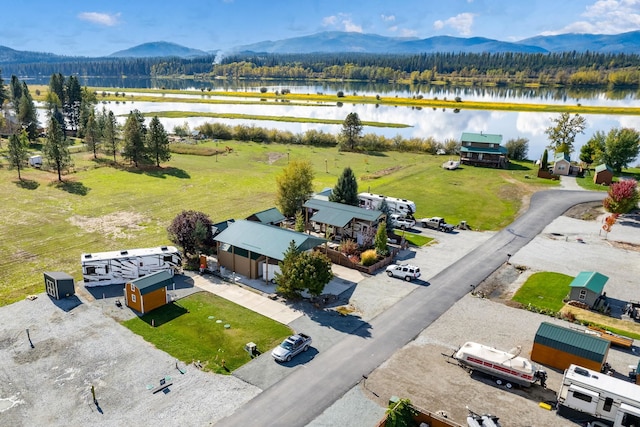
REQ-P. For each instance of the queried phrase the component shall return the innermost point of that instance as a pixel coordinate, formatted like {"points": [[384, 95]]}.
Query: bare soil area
{"points": [[121, 225]]}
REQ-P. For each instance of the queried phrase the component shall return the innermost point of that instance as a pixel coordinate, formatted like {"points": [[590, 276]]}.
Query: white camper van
{"points": [[600, 396], [402, 207], [119, 267]]}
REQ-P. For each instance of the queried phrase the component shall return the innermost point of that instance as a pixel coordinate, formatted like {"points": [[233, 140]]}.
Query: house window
{"points": [[133, 297], [133, 287], [583, 294]]}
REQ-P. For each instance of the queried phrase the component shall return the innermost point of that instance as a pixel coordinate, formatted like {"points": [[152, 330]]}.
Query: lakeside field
{"points": [[47, 225]]}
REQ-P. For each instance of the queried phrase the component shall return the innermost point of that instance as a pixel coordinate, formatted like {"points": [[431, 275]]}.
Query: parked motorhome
{"points": [[119, 267], [403, 207], [600, 396]]}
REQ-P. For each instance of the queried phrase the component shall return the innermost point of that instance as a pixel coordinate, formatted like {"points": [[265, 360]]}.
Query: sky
{"points": [[99, 28]]}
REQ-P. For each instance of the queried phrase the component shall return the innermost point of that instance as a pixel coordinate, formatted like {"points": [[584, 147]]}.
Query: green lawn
{"points": [[544, 290], [46, 226], [189, 330], [414, 239]]}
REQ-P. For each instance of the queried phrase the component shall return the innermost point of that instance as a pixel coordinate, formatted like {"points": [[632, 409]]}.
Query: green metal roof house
{"points": [[270, 216], [343, 220], [587, 287], [482, 149], [244, 245], [559, 347]]}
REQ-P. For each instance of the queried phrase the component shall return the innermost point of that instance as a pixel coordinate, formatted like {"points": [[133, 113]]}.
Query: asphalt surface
{"points": [[311, 388]]}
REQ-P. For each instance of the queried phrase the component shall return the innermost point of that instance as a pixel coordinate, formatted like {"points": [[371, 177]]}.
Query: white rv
{"points": [[600, 396], [119, 267], [402, 207]]}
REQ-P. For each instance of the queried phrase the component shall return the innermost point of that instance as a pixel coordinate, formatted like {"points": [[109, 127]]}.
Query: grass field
{"points": [[544, 290], [100, 206], [193, 329]]}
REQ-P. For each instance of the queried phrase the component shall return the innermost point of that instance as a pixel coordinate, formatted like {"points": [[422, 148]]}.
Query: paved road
{"points": [[310, 389]]}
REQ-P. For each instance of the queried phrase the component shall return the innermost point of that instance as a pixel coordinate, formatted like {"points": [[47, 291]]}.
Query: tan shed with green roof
{"points": [[559, 347]]}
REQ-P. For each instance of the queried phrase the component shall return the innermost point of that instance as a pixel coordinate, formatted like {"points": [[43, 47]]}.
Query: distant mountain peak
{"points": [[158, 49]]}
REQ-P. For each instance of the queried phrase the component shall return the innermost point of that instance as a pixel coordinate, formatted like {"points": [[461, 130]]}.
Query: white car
{"points": [[402, 222], [407, 272]]}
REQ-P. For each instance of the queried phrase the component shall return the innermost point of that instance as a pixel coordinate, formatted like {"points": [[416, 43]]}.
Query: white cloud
{"points": [[406, 32], [341, 22], [462, 23], [100, 18], [606, 17], [388, 18]]}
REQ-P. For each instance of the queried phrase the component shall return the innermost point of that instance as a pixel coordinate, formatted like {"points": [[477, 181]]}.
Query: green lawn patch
{"points": [[415, 239], [544, 290], [193, 328], [106, 206]]}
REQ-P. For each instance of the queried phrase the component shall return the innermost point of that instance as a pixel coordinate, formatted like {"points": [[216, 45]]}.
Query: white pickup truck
{"points": [[291, 347], [402, 222]]}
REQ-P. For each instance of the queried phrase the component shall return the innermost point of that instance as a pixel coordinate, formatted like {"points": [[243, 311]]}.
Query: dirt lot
{"points": [[569, 245]]}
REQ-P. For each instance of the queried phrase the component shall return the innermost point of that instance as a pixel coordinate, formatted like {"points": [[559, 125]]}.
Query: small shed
{"points": [[58, 284], [587, 287], [148, 292], [562, 164], [559, 347], [603, 175]]}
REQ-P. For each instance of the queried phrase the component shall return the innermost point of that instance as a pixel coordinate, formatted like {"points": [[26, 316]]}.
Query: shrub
{"points": [[369, 257], [348, 247]]}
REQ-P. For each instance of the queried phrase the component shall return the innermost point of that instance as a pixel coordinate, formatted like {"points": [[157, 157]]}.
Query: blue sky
{"points": [[94, 28]]}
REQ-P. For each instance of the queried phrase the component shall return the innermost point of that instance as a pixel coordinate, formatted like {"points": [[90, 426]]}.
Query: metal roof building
{"points": [[339, 214], [244, 245], [561, 347], [269, 216]]}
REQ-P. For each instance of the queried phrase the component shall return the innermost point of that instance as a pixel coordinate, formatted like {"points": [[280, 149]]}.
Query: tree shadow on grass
{"points": [[154, 171], [164, 314], [518, 167], [27, 184], [73, 187]]}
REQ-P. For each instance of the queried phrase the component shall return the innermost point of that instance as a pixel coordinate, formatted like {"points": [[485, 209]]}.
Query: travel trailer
{"points": [[402, 207], [119, 267], [600, 396]]}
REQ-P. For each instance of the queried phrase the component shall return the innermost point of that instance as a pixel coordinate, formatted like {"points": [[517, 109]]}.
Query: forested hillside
{"points": [[567, 68]]}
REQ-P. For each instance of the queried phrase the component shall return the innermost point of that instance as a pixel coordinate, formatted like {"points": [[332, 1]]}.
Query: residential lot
{"points": [[421, 373], [76, 348]]}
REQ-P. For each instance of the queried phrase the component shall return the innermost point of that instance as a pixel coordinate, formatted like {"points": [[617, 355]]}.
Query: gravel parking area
{"points": [[49, 383], [421, 373]]}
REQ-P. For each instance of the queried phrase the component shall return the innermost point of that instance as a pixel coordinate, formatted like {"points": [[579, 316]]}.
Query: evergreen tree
{"points": [[134, 139], [18, 154], [110, 133], [15, 89], [56, 86], [346, 190], [381, 240], [3, 90], [56, 150], [92, 134], [158, 142], [544, 164], [72, 100], [87, 106], [351, 132], [27, 114], [386, 210]]}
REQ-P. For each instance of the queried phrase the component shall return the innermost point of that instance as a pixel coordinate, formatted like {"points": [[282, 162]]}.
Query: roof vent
{"points": [[124, 252], [164, 248], [581, 371], [87, 256]]}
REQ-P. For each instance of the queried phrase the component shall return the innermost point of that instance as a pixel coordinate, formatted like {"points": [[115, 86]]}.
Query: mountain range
{"points": [[349, 42]]}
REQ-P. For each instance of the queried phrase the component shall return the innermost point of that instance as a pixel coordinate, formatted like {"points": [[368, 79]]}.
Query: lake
{"points": [[441, 124]]}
